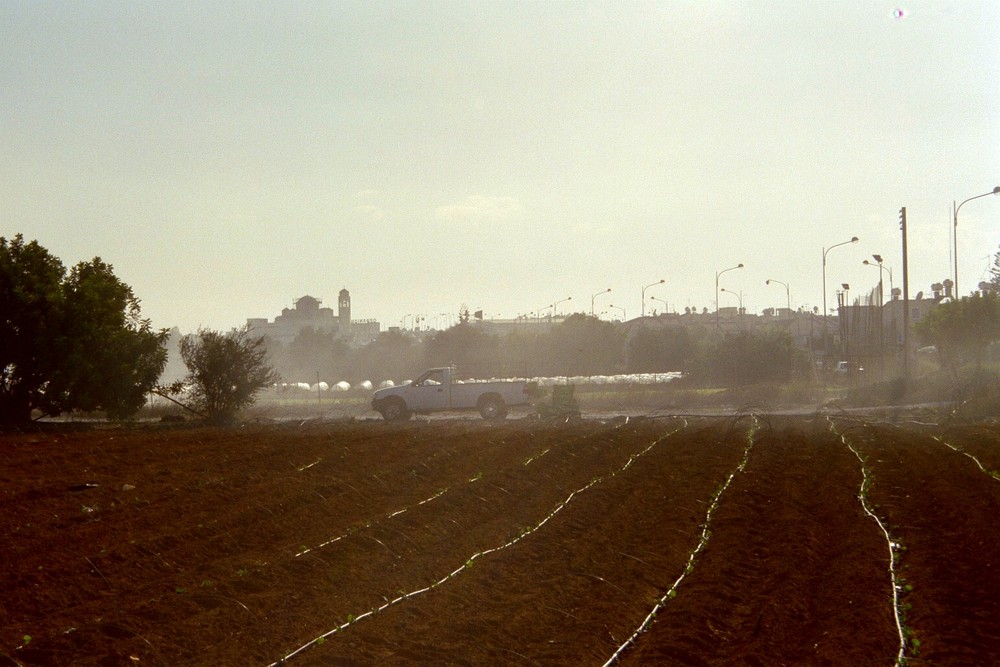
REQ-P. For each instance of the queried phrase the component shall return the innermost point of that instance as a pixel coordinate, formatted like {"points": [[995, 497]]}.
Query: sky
{"points": [[229, 157]]}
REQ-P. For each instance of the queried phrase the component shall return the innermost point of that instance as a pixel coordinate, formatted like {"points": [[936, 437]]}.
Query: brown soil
{"points": [[529, 543]]}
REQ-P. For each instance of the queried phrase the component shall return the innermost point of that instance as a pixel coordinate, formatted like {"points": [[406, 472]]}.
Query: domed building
{"points": [[307, 313]]}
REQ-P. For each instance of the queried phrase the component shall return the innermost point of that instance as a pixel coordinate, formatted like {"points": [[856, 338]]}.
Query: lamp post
{"points": [[618, 308], [845, 322], [826, 337], [663, 301], [717, 274], [739, 298], [994, 191], [738, 295], [878, 259], [555, 305], [658, 282], [788, 294], [881, 305], [594, 296]]}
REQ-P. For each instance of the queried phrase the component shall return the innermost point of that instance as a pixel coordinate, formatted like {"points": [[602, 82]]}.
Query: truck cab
{"points": [[430, 391], [436, 389]]}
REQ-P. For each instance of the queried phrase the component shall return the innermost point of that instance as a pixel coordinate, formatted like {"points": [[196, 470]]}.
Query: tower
{"points": [[344, 309]]}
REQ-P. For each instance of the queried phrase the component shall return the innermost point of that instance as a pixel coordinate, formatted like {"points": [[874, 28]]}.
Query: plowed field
{"points": [[742, 541]]}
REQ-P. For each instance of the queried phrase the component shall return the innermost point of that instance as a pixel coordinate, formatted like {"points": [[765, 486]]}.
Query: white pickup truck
{"points": [[435, 390]]}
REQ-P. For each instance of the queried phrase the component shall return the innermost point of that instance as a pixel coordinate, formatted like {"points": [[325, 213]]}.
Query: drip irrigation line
{"points": [[373, 522], [370, 523], [469, 562], [993, 475], [689, 566], [893, 545]]}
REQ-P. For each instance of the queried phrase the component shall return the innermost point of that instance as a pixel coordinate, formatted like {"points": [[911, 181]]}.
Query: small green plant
{"points": [[180, 590], [207, 583], [26, 640]]}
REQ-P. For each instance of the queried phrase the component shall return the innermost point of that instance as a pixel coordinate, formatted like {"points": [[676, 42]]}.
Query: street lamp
{"points": [[994, 191], [826, 344], [878, 259], [594, 296], [663, 301], [717, 274], [619, 308], [882, 270], [739, 296], [556, 304], [844, 317], [658, 282], [881, 304], [788, 294]]}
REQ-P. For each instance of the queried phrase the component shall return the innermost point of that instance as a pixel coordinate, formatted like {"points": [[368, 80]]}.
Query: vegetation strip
{"points": [[893, 545], [689, 567], [316, 641], [992, 473]]}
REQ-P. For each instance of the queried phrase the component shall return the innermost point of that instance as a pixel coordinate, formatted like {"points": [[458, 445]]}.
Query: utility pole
{"points": [[906, 302]]}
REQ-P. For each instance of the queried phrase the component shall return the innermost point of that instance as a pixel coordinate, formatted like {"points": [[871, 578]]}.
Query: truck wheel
{"points": [[493, 408], [394, 410]]}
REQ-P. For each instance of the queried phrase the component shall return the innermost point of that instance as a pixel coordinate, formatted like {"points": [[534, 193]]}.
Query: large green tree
{"points": [[73, 341]]}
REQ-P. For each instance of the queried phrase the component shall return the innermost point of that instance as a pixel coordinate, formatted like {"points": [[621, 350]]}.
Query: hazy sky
{"points": [[230, 157]]}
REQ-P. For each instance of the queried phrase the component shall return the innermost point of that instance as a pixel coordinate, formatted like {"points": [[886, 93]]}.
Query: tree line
{"points": [[580, 345], [74, 340]]}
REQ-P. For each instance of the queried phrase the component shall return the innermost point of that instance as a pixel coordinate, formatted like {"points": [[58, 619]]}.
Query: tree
{"points": [[473, 351], [994, 282], [584, 345], [962, 329], [311, 354], [660, 350], [73, 342], [745, 358], [225, 371], [392, 355]]}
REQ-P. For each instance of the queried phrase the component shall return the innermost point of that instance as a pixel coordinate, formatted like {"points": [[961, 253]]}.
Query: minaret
{"points": [[344, 309]]}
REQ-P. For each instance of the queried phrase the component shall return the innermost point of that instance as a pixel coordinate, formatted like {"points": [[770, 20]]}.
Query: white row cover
{"points": [[633, 378]]}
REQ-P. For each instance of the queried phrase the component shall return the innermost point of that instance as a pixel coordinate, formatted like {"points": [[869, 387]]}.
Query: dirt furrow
{"points": [[793, 573], [942, 508], [178, 545], [568, 593]]}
